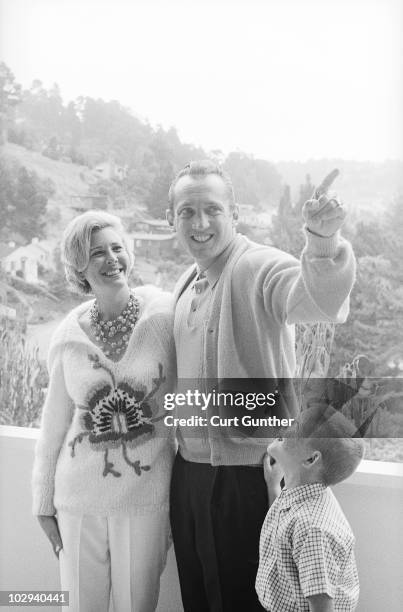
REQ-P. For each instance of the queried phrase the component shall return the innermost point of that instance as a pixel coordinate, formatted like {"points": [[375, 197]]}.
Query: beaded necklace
{"points": [[107, 331]]}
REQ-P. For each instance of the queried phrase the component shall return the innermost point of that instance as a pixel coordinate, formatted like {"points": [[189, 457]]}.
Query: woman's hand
{"points": [[51, 528], [272, 475]]}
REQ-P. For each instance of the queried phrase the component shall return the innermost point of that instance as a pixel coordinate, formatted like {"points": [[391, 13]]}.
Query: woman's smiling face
{"points": [[109, 261]]}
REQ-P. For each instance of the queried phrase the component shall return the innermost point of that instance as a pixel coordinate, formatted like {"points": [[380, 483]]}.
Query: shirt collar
{"points": [[288, 497], [213, 272]]}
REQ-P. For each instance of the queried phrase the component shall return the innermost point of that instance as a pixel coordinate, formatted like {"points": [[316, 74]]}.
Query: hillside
{"points": [[87, 132], [363, 185], [68, 180]]}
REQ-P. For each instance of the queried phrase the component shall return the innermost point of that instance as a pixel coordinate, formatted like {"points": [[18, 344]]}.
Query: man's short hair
{"points": [[330, 432], [76, 245], [201, 169]]}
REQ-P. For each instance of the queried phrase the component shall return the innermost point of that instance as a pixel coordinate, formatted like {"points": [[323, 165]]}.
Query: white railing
{"points": [[372, 500]]}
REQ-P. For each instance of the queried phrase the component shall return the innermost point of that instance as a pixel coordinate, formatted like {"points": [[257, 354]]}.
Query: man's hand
{"points": [[272, 475], [324, 216], [51, 528], [324, 213], [320, 603]]}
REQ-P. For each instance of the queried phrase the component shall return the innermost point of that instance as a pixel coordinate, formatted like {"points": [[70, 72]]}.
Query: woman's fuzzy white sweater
{"points": [[103, 447]]}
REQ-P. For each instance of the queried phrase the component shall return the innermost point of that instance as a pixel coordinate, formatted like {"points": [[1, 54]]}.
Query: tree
{"points": [[286, 228], [375, 323], [72, 125], [6, 196], [256, 181], [54, 149], [305, 193], [10, 96], [392, 241], [23, 201], [34, 111], [157, 199], [374, 327], [368, 238]]}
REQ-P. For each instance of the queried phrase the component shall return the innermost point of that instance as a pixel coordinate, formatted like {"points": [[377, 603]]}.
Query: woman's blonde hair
{"points": [[76, 245]]}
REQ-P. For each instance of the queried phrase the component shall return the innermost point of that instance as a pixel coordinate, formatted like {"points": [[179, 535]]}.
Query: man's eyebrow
{"points": [[184, 205]]}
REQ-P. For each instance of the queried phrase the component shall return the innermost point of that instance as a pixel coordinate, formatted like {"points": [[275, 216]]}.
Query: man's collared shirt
{"points": [[190, 329], [306, 548]]}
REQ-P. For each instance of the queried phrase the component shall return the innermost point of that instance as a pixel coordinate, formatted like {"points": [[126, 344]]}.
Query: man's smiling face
{"points": [[203, 216]]}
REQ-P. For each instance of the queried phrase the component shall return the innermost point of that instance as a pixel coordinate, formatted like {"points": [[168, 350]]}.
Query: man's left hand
{"points": [[324, 216]]}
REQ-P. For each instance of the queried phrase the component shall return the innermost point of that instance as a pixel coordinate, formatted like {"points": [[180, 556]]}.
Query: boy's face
{"points": [[290, 453]]}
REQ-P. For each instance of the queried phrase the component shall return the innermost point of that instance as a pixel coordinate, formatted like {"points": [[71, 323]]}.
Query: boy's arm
{"points": [[319, 556], [320, 603], [272, 475]]}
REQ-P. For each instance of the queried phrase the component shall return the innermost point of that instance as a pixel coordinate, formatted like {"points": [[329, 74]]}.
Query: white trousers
{"points": [[120, 557]]}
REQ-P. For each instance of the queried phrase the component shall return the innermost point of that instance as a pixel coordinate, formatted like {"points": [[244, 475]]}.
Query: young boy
{"points": [[306, 544]]}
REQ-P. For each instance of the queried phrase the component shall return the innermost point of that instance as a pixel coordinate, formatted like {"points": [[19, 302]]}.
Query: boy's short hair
{"points": [[201, 169], [76, 245], [330, 432]]}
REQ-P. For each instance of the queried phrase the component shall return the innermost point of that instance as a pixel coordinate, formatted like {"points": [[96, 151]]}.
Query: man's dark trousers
{"points": [[216, 517]]}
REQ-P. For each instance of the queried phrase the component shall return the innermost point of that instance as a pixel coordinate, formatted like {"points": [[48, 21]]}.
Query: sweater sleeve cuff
{"points": [[43, 507], [321, 246]]}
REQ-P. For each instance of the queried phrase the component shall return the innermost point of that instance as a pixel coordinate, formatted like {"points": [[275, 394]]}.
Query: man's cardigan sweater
{"points": [[103, 448], [261, 293]]}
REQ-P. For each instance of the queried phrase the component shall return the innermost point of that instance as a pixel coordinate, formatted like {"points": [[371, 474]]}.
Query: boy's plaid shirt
{"points": [[306, 548]]}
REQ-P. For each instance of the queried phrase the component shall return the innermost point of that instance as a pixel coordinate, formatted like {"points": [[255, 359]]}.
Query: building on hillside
{"points": [[153, 226], [249, 216], [110, 170], [82, 203], [25, 261], [153, 246]]}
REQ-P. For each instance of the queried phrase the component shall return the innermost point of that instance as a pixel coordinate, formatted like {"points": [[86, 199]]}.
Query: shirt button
{"points": [[210, 331], [194, 309]]}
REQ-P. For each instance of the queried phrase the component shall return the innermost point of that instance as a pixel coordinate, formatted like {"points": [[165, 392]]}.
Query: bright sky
{"points": [[280, 79]]}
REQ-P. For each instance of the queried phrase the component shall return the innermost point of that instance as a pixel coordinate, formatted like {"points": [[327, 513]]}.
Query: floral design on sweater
{"points": [[117, 415]]}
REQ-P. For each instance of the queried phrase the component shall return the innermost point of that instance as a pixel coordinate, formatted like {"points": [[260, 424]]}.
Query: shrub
{"points": [[23, 379]]}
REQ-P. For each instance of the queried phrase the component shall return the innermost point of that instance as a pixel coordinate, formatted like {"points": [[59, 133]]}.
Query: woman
{"points": [[103, 460]]}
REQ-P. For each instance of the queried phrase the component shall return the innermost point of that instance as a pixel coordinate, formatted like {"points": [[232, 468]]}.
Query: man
{"points": [[235, 310]]}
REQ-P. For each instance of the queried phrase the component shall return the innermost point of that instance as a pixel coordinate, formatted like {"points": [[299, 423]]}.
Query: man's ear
{"points": [[235, 212], [170, 217]]}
